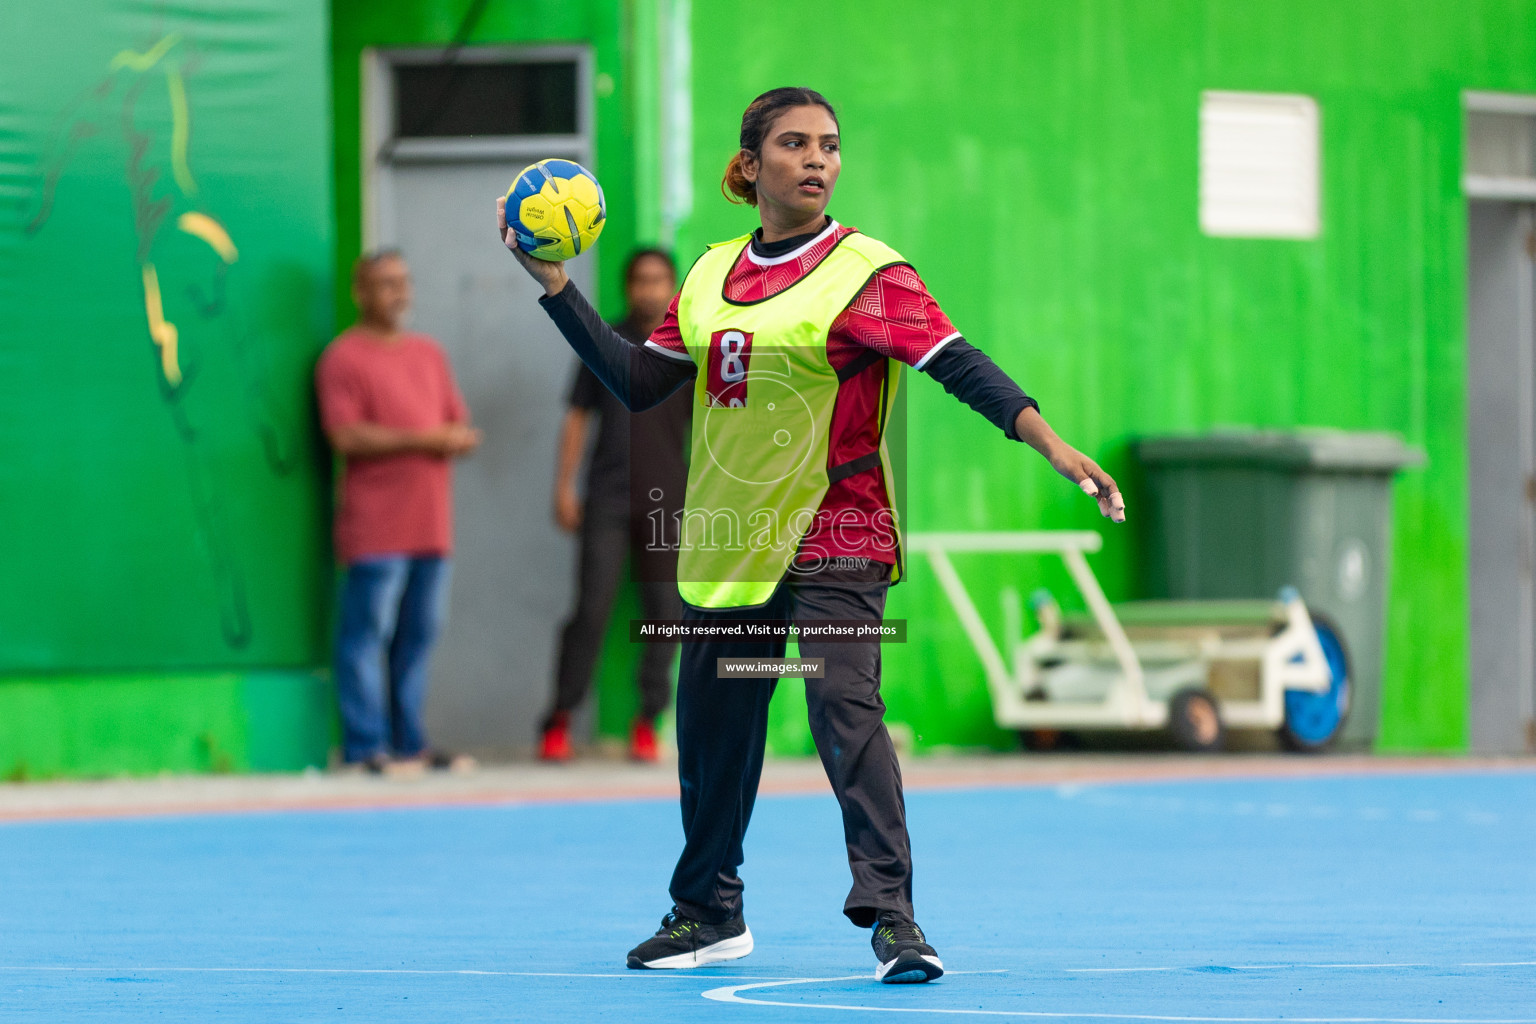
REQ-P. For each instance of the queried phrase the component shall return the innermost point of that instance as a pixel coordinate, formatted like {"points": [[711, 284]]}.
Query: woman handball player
{"points": [[793, 339]]}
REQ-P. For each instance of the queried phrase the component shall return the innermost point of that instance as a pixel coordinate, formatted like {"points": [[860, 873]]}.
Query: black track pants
{"points": [[722, 727]]}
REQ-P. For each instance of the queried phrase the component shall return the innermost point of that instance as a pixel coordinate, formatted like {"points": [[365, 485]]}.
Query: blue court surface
{"points": [[1376, 897]]}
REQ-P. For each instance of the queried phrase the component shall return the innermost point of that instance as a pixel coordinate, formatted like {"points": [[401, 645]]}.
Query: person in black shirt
{"points": [[634, 495]]}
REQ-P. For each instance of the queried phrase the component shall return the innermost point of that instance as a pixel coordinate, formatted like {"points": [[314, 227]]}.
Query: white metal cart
{"points": [[1195, 668]]}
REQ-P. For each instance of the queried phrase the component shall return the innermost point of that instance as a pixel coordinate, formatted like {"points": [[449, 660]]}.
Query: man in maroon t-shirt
{"points": [[391, 410]]}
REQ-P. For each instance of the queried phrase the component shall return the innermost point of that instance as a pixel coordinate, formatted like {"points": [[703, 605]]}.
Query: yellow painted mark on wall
{"points": [[146, 60], [181, 122], [200, 225], [160, 329]]}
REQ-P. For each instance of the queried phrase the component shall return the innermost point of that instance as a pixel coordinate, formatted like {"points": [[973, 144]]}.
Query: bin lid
{"points": [[1304, 448]]}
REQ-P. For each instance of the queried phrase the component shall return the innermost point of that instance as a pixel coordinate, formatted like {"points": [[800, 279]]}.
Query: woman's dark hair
{"points": [[755, 123], [649, 252]]}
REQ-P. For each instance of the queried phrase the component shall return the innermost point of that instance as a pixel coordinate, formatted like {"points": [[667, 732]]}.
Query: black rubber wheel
{"points": [[1044, 741], [1194, 721], [1314, 721]]}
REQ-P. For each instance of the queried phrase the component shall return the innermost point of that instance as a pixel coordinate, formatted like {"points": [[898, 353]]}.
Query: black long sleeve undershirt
{"points": [[638, 376], [641, 377], [970, 375]]}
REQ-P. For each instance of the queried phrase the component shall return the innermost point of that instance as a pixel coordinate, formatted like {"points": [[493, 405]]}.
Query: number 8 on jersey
{"points": [[730, 355]]}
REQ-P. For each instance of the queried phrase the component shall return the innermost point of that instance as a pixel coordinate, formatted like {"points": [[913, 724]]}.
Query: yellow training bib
{"points": [[765, 392]]}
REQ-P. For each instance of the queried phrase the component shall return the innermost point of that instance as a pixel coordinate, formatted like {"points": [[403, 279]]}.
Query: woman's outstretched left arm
{"points": [[971, 376], [1032, 429], [897, 317]]}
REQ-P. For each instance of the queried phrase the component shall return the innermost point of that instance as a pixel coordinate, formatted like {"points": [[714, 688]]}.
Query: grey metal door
{"points": [[1501, 375], [513, 574]]}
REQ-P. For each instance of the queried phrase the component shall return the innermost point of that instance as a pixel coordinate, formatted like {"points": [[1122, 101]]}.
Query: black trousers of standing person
{"points": [[607, 535], [722, 729]]}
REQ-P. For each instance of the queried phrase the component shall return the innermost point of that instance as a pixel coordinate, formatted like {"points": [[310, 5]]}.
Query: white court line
{"points": [[730, 994], [1256, 967], [1284, 967], [675, 975], [1100, 797], [1351, 967]]}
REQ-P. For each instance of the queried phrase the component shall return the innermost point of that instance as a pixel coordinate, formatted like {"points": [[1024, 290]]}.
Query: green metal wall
{"points": [[1037, 163], [165, 547], [162, 525]]}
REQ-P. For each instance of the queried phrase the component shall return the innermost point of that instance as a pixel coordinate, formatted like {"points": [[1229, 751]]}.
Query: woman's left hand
{"points": [[1095, 483], [1070, 463]]}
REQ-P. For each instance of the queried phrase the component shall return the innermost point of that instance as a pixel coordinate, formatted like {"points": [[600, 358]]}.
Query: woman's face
{"points": [[798, 165]]}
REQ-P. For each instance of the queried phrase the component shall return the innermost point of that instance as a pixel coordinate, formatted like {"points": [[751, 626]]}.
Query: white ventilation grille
{"points": [[1501, 146], [1258, 165]]}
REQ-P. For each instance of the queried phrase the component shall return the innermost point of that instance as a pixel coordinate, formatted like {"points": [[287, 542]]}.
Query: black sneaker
{"points": [[905, 956], [682, 942]]}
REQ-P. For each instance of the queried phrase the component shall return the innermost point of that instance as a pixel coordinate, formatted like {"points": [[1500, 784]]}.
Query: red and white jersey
{"points": [[895, 316]]}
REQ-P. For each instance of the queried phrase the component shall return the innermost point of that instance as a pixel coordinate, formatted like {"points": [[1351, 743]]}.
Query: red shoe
{"points": [[642, 741], [555, 743]]}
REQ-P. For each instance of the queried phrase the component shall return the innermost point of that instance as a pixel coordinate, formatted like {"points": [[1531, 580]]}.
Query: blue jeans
{"points": [[392, 607]]}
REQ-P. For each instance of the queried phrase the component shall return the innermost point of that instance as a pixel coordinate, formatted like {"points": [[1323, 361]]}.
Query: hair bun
{"points": [[735, 186]]}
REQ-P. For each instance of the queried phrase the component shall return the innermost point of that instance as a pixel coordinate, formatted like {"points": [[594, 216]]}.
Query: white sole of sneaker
{"points": [[726, 949], [910, 970]]}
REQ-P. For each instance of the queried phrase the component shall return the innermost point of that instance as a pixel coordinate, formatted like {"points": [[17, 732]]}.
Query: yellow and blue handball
{"points": [[556, 209]]}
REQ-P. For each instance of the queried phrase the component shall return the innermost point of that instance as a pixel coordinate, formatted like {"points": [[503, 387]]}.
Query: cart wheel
{"points": [[1046, 740], [1195, 721], [1314, 720]]}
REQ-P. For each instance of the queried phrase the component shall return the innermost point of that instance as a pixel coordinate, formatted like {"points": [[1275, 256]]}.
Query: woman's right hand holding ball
{"points": [[549, 273]]}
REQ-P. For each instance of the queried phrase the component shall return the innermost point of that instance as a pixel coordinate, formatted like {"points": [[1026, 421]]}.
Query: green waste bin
{"points": [[1241, 514]]}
